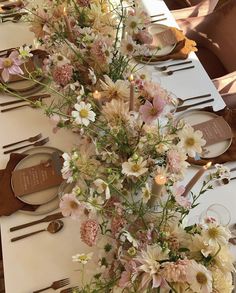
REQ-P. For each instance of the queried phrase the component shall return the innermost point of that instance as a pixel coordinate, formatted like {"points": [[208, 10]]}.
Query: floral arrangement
{"points": [[125, 174]]}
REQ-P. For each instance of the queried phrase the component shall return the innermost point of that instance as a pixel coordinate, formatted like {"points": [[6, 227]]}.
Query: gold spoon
{"points": [[53, 227]]}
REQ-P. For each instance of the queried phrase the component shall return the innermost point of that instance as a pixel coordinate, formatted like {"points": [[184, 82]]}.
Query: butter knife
{"points": [[183, 108], [48, 218]]}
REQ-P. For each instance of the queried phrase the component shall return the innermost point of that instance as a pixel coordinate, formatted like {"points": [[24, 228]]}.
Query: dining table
{"points": [[36, 262]]}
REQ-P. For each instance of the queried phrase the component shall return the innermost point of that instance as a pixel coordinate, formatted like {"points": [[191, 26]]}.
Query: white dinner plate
{"points": [[53, 204], [194, 117]]}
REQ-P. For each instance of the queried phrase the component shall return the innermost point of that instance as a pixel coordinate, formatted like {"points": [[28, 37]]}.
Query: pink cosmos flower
{"points": [[71, 207], [89, 232], [11, 65], [62, 75], [151, 111], [128, 275], [181, 200]]}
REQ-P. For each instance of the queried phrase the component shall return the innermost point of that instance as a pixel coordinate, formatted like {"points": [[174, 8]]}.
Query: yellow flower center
{"points": [[59, 58], [83, 113], [7, 62], [146, 193], [135, 168], [73, 205], [201, 278], [83, 257], [133, 24], [153, 112], [213, 233], [190, 141]]}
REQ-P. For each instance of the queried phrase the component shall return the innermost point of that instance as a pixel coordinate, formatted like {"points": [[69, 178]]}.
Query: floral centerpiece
{"points": [[126, 172]]}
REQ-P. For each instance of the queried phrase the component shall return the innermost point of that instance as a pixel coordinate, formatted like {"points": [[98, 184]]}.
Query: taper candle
{"points": [[157, 186], [195, 178], [68, 26], [132, 91]]}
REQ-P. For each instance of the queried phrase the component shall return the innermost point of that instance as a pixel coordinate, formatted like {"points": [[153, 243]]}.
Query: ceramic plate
{"points": [[194, 117], [154, 29], [40, 197], [53, 204]]}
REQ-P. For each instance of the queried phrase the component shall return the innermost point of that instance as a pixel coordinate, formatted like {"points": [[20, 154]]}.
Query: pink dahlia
{"points": [[62, 75], [89, 232], [11, 65], [151, 111]]}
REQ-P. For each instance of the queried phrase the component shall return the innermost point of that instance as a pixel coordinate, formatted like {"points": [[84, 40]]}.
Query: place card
{"points": [[35, 178], [214, 130], [166, 38]]}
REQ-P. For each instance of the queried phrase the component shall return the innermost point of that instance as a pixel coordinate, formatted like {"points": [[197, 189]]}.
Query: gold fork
{"points": [[55, 285]]}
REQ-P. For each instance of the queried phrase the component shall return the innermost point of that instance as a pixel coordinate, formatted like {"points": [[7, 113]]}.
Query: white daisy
{"points": [[83, 114], [25, 52], [134, 168], [133, 24], [191, 141], [82, 258], [214, 234], [199, 278]]}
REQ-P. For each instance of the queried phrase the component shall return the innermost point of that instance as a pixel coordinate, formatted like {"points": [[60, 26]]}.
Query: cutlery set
{"points": [[54, 226], [163, 69], [35, 141], [30, 102], [10, 11]]}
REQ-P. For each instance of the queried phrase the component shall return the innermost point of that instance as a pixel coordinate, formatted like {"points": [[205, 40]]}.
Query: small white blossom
{"points": [[83, 114], [82, 258]]}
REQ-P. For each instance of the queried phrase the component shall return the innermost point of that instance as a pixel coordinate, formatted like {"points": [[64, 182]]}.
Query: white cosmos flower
{"points": [[199, 278], [126, 235], [82, 258], [102, 187], [214, 234], [83, 114], [128, 46], [25, 52], [134, 168], [191, 141]]}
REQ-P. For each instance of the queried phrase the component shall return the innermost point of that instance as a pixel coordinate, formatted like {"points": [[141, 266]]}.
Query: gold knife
{"points": [[48, 218], [183, 108]]}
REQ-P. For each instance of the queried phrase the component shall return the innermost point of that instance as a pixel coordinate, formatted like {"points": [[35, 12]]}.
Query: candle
{"points": [[132, 90], [68, 26], [97, 95], [158, 184], [195, 178]]}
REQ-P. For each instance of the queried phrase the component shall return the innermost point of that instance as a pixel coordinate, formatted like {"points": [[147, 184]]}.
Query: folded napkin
{"points": [[8, 202], [230, 155], [181, 51]]}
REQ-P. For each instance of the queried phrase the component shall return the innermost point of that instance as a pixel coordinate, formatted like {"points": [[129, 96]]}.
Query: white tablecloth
{"points": [[35, 262]]}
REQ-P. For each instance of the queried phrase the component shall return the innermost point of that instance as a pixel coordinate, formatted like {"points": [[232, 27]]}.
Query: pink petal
{"points": [[156, 281], [5, 75]]}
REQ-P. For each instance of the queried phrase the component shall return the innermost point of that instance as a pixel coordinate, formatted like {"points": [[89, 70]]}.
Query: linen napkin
{"points": [[8, 202], [181, 51], [230, 155]]}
